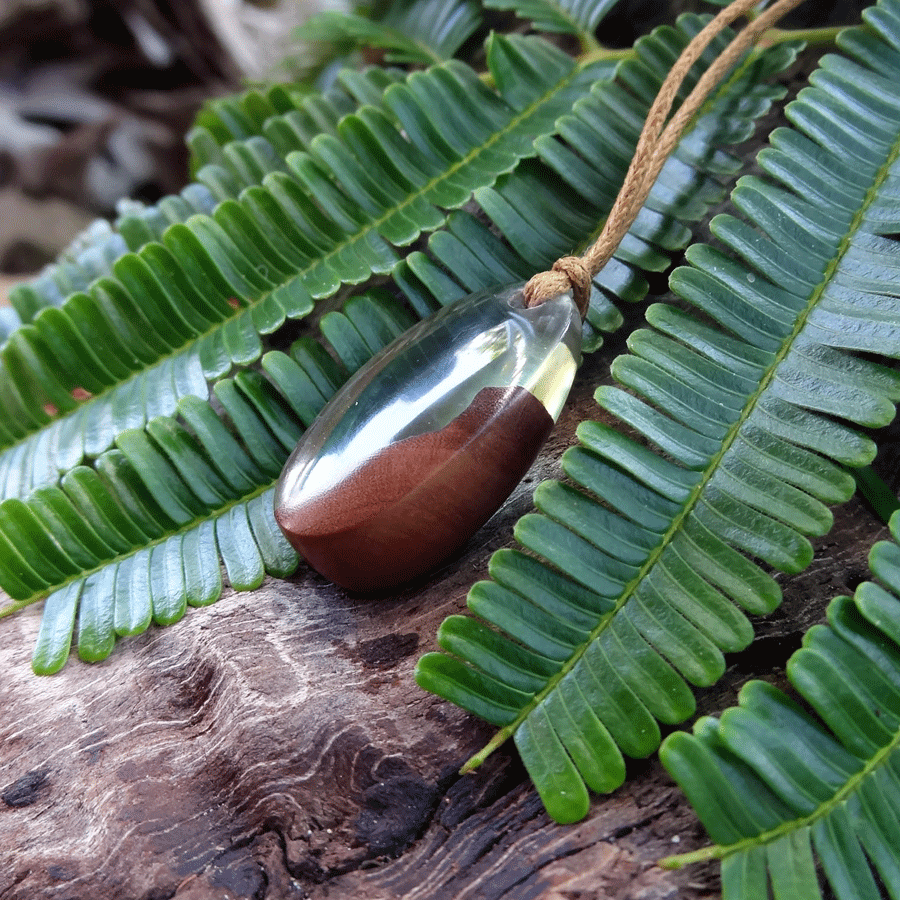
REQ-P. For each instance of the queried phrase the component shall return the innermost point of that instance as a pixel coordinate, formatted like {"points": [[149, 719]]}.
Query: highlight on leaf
{"points": [[641, 569], [788, 788]]}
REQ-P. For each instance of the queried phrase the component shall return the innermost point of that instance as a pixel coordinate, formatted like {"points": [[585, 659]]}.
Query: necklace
{"points": [[429, 438]]}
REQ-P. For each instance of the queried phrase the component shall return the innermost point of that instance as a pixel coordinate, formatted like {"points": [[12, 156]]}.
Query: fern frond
{"points": [[139, 536], [197, 300], [410, 33], [744, 423], [783, 791], [235, 141]]}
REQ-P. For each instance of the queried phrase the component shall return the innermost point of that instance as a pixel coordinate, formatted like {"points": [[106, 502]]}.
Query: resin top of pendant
{"points": [[427, 440]]}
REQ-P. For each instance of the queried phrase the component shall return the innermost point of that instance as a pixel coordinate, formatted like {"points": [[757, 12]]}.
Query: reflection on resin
{"points": [[428, 439]]}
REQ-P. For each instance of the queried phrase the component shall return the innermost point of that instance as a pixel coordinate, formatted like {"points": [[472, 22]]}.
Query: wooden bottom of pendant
{"points": [[417, 501]]}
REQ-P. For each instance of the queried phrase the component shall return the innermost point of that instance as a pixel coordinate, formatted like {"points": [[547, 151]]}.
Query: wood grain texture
{"points": [[275, 746], [416, 501]]}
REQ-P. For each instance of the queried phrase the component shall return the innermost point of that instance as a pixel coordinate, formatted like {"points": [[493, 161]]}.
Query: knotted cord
{"points": [[655, 144]]}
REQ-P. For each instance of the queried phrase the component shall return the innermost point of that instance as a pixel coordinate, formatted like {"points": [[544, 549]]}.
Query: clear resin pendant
{"points": [[427, 440]]}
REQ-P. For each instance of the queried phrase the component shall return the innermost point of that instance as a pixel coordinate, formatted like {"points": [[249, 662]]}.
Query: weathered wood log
{"points": [[275, 746]]}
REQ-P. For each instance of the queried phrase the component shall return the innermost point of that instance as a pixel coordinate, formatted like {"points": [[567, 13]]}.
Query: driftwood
{"points": [[276, 746]]}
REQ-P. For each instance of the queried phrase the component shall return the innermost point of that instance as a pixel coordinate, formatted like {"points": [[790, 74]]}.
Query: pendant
{"points": [[428, 439]]}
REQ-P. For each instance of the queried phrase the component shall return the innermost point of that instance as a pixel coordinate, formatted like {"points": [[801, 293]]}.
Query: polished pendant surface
{"points": [[425, 442]]}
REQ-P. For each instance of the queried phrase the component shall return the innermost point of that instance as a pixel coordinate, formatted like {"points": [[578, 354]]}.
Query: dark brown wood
{"points": [[415, 502], [275, 746]]}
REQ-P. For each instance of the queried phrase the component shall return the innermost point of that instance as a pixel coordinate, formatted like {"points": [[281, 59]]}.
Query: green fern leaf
{"points": [[410, 33], [746, 424], [578, 17], [139, 537], [784, 792]]}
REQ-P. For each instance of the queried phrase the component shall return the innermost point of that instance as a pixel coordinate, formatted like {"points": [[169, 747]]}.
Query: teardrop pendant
{"points": [[425, 442]]}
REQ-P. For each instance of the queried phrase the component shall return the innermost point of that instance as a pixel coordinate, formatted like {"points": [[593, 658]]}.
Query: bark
{"points": [[275, 746]]}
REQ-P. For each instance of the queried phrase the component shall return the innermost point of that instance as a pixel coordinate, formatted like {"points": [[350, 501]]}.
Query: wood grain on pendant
{"points": [[416, 501]]}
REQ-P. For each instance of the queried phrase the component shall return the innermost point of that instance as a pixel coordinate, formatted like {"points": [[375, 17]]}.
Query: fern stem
{"points": [[500, 738], [603, 54], [812, 37], [18, 605], [589, 44], [704, 854]]}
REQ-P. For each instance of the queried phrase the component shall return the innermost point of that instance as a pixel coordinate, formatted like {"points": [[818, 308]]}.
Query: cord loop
{"points": [[656, 142]]}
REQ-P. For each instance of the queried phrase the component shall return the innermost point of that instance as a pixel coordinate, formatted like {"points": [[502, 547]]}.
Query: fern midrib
{"points": [[370, 227], [722, 851], [217, 513], [695, 496]]}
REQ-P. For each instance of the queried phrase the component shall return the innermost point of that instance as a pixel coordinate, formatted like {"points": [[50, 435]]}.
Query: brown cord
{"points": [[655, 144]]}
